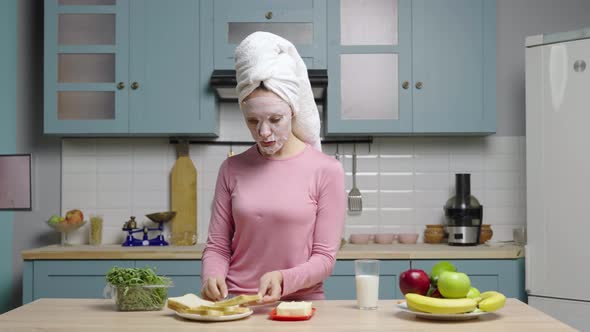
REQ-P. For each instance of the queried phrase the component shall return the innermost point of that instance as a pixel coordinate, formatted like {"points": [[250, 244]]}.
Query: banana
{"points": [[434, 305], [491, 301], [411, 307]]}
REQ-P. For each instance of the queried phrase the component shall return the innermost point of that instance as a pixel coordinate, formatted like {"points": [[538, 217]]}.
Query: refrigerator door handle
{"points": [[528, 272]]}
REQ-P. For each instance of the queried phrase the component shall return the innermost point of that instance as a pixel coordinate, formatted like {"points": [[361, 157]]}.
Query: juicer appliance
{"points": [[463, 214]]}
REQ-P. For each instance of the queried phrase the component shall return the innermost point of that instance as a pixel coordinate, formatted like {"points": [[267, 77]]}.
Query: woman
{"points": [[279, 207]]}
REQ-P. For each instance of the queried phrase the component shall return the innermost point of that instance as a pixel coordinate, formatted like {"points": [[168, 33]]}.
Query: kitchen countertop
{"points": [[348, 251], [100, 315]]}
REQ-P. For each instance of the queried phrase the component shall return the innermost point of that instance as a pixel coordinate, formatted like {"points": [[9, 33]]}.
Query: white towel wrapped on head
{"points": [[273, 60]]}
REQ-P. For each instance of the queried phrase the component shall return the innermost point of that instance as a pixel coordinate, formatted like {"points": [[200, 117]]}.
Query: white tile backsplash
{"points": [[432, 181], [396, 198], [114, 164], [114, 147], [397, 163], [461, 163], [109, 182], [76, 182], [396, 181], [396, 216], [404, 181], [78, 164], [427, 216], [431, 163], [113, 199]]}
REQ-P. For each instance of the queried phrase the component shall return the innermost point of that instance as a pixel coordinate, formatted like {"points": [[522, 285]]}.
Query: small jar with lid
{"points": [[434, 234], [485, 233]]}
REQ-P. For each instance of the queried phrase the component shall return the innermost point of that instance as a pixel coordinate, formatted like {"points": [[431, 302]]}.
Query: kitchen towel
{"points": [[273, 60]]}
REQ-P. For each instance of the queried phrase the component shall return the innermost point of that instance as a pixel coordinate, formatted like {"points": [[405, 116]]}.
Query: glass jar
{"points": [[434, 234], [485, 233], [95, 230]]}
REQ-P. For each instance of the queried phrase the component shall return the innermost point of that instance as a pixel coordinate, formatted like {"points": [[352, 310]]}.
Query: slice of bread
{"points": [[238, 300], [294, 309], [218, 311], [191, 303], [187, 302], [205, 312]]}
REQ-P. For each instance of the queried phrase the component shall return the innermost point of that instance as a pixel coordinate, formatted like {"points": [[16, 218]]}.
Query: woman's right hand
{"points": [[214, 289]]}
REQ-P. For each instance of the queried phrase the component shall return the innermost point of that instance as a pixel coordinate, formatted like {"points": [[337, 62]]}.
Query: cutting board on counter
{"points": [[183, 199]]}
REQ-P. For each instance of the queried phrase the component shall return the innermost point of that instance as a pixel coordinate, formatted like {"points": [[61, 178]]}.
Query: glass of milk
{"points": [[367, 283]]}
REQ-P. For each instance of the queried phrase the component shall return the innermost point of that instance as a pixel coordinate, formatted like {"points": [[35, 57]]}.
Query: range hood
{"points": [[224, 83]]}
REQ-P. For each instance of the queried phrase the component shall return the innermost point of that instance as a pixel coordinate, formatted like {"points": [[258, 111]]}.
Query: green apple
{"points": [[473, 293], [439, 268], [55, 219], [453, 285]]}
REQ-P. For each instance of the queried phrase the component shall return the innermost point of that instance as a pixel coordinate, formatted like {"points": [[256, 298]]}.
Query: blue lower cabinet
{"points": [[86, 278], [185, 274], [502, 275], [71, 278], [341, 284]]}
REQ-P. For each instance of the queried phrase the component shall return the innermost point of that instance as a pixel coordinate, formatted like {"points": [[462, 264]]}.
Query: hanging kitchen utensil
{"points": [[337, 155], [231, 151], [355, 201], [183, 198]]}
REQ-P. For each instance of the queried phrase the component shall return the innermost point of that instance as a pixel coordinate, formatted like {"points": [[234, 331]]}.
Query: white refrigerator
{"points": [[558, 175]]}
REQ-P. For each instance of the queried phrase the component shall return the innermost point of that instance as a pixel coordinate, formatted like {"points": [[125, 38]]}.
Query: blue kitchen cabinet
{"points": [[341, 284], [185, 274], [369, 72], [86, 68], [301, 22], [67, 278], [503, 275], [129, 67], [454, 61], [432, 72], [86, 278]]}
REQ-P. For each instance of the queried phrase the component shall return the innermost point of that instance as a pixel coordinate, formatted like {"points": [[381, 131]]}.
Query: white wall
{"points": [[517, 19]]}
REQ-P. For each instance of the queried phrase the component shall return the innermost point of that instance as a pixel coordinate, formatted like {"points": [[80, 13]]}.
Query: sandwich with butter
{"points": [[191, 303]]}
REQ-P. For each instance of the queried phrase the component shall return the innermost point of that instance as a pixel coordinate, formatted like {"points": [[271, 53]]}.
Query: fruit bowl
{"points": [[64, 228]]}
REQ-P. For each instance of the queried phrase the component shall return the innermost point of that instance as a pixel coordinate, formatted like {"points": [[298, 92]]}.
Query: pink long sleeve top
{"points": [[276, 214]]}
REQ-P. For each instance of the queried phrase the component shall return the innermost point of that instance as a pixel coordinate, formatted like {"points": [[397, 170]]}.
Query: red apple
{"points": [[414, 281], [436, 293], [74, 216]]}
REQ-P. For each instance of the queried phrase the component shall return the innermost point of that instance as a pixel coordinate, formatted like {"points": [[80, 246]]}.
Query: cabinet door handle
{"points": [[268, 15], [419, 85], [134, 85], [120, 86], [405, 85]]}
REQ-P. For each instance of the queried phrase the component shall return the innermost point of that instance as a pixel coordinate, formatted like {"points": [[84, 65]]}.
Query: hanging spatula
{"points": [[355, 200]]}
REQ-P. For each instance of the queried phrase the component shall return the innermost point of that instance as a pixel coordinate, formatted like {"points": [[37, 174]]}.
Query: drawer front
{"points": [[72, 279]]}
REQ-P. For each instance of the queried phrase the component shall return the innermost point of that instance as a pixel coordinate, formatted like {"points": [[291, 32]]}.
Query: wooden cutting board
{"points": [[183, 199]]}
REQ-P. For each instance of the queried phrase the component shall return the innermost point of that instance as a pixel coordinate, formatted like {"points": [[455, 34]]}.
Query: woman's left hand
{"points": [[270, 287]]}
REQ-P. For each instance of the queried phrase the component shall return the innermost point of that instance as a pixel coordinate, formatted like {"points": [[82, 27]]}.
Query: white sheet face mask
{"points": [[269, 121]]}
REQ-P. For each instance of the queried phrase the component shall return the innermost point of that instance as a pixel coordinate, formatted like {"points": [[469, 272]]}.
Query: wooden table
{"points": [[100, 315]]}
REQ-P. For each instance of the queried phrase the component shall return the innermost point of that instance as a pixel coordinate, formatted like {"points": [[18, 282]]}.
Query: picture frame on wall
{"points": [[15, 182]]}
